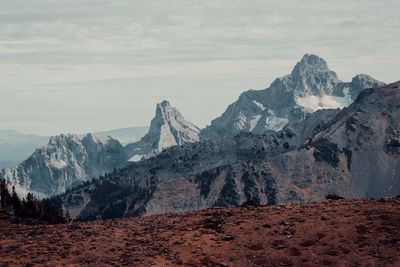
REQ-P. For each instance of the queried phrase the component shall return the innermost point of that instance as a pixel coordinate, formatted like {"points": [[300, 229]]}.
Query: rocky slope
{"points": [[357, 232], [64, 162], [68, 160], [16, 147], [310, 86], [168, 128], [353, 153]]}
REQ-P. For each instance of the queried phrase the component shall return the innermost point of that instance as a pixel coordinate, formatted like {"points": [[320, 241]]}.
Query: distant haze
{"points": [[84, 66]]}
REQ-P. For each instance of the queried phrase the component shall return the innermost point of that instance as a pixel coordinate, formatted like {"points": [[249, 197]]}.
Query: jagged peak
{"points": [[164, 103], [63, 138], [168, 127], [310, 62], [164, 107], [166, 112], [364, 77], [98, 139]]}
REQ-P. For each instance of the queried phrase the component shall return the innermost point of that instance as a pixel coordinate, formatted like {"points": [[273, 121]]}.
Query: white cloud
{"points": [[9, 50]]}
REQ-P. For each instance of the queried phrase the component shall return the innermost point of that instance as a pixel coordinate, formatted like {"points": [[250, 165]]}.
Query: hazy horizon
{"points": [[75, 67]]}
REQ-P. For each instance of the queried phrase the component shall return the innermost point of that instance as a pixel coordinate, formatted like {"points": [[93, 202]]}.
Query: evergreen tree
{"points": [[30, 207], [4, 195], [16, 203]]}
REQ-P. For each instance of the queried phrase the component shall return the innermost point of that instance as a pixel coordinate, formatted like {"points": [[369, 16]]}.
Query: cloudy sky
{"points": [[86, 65]]}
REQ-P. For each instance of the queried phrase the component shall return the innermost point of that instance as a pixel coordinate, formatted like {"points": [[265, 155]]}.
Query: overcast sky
{"points": [[86, 65]]}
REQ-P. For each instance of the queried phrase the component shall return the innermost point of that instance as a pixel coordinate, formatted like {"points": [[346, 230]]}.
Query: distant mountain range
{"points": [[275, 145], [351, 153], [68, 160]]}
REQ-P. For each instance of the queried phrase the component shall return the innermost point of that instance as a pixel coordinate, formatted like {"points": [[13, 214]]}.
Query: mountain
{"points": [[310, 86], [67, 160], [168, 128], [352, 153], [64, 162], [16, 146]]}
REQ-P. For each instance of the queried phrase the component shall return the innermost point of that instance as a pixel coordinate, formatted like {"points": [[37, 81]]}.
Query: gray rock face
{"points": [[310, 86], [67, 160], [168, 128], [353, 153], [64, 162]]}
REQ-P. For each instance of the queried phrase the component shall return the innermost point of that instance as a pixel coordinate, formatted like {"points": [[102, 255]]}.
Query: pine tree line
{"points": [[29, 207]]}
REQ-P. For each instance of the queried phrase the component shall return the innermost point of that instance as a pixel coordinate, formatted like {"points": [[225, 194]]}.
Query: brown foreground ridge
{"points": [[357, 232]]}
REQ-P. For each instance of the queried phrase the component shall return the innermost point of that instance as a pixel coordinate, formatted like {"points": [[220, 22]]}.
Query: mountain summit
{"points": [[311, 76], [168, 128], [64, 162], [309, 87], [311, 61]]}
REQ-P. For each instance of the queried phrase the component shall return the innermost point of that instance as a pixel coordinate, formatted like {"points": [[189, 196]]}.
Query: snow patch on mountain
{"points": [[253, 122], [313, 103], [136, 158], [240, 121], [258, 104], [274, 123], [309, 87]]}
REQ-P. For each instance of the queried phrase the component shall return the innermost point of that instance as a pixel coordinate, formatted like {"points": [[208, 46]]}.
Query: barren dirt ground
{"points": [[330, 233]]}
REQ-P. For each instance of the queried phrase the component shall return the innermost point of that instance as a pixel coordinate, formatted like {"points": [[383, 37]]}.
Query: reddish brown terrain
{"points": [[332, 233]]}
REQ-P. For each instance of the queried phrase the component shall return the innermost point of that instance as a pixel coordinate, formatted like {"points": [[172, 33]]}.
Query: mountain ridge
{"points": [[68, 160], [303, 162], [289, 99], [64, 162]]}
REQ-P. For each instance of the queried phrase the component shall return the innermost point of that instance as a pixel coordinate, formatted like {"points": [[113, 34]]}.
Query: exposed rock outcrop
{"points": [[64, 162], [351, 153], [168, 128], [310, 86]]}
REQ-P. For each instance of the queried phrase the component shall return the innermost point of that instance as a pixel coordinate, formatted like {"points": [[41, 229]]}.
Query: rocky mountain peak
{"points": [[310, 62], [168, 128], [361, 80], [96, 139], [63, 139], [164, 104], [164, 113], [64, 162], [309, 87], [311, 76]]}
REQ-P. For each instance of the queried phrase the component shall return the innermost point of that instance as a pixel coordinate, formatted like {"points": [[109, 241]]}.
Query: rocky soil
{"points": [[331, 233]]}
